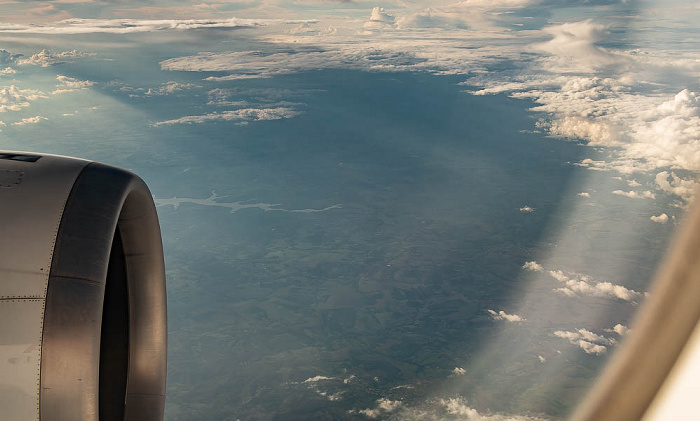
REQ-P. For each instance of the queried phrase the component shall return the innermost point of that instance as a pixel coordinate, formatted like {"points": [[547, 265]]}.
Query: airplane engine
{"points": [[82, 292]]}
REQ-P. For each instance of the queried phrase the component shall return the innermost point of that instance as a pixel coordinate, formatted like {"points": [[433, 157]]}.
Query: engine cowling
{"points": [[82, 292]]}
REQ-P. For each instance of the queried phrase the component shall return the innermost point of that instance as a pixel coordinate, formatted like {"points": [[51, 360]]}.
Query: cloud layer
{"points": [[583, 91], [130, 26]]}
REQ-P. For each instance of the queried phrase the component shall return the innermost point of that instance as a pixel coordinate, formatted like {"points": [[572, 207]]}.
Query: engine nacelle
{"points": [[82, 292]]}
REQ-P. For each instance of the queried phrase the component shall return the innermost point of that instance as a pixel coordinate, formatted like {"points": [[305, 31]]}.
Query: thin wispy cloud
{"points": [[241, 116], [214, 200], [129, 26], [166, 88]]}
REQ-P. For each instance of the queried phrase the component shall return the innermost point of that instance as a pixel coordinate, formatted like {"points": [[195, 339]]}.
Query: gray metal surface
{"points": [[72, 230], [32, 196]]}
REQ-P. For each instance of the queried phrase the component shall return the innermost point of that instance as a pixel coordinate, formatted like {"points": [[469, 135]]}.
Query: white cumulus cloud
{"points": [[635, 195], [661, 219], [582, 285], [384, 406], [13, 98], [533, 266], [460, 408], [590, 342], [573, 47], [671, 183], [69, 84], [46, 58], [620, 329], [29, 120], [502, 315], [130, 26], [379, 19]]}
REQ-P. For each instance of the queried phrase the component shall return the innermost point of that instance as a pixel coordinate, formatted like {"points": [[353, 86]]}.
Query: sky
{"points": [[609, 88]]}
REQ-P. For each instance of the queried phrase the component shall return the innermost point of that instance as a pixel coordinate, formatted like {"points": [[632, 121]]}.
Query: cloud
{"points": [[379, 19], [46, 58], [582, 285], [69, 84], [260, 64], [590, 342], [573, 48], [598, 96], [384, 407], [307, 29], [212, 200], [242, 116], [29, 120], [167, 88], [620, 329], [317, 379], [7, 71], [577, 127], [459, 371], [661, 219], [433, 18], [7, 57], [434, 409], [582, 91], [502, 315], [130, 26], [635, 195], [671, 183], [225, 97], [669, 133], [533, 266], [13, 98], [460, 408], [527, 209], [584, 194]]}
